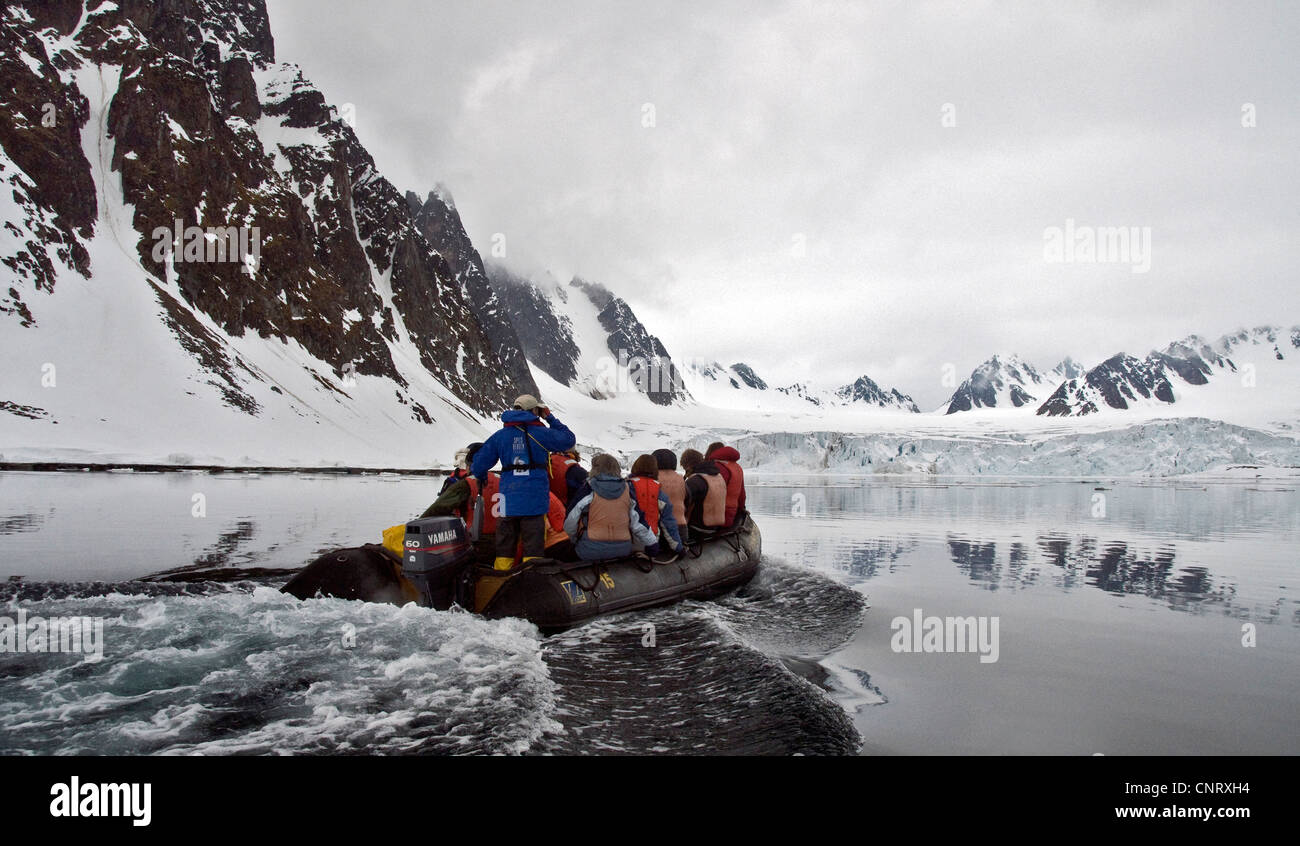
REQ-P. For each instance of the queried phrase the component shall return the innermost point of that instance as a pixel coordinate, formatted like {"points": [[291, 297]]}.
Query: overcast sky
{"points": [[774, 182]]}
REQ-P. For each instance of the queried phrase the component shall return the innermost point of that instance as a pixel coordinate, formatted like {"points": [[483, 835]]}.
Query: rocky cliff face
{"points": [[440, 223], [1116, 382], [628, 341], [205, 130], [544, 331], [42, 165], [1004, 381], [865, 390]]}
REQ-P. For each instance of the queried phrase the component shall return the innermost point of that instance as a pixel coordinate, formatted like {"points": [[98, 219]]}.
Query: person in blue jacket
{"points": [[523, 446]]}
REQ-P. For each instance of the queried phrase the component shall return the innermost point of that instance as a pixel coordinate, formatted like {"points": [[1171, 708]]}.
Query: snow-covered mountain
{"points": [[1004, 381], [1067, 369], [202, 264], [806, 393], [1222, 375], [739, 386], [586, 338], [865, 391], [196, 241], [538, 311], [440, 223]]}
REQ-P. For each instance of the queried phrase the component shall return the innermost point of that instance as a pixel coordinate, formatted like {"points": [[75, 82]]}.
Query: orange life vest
{"points": [[555, 522], [674, 487], [492, 503], [713, 511], [735, 482], [647, 496], [607, 518], [560, 464]]}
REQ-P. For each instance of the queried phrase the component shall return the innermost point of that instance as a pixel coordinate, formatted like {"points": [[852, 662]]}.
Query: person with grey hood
{"points": [[604, 522]]}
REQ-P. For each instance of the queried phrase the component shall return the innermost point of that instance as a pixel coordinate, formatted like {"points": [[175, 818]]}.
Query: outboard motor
{"points": [[437, 552]]}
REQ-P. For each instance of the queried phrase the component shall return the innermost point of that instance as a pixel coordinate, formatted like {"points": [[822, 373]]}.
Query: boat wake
{"points": [[236, 667]]}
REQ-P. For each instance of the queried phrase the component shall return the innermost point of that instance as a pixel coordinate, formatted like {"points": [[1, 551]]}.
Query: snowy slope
{"points": [[1004, 381], [107, 379], [738, 386], [372, 336], [1251, 375]]}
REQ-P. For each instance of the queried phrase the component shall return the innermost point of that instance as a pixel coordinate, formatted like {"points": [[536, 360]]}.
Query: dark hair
{"points": [[645, 465], [604, 464], [713, 446], [690, 458], [665, 459]]}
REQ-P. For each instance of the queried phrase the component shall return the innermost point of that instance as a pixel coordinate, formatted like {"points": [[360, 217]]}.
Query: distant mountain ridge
{"points": [[367, 312], [746, 384], [1124, 381]]}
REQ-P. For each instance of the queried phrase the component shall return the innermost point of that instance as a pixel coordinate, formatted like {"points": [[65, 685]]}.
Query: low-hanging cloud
{"points": [[860, 188]]}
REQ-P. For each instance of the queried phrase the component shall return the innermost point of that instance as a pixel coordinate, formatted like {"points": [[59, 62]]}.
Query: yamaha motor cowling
{"points": [[437, 552]]}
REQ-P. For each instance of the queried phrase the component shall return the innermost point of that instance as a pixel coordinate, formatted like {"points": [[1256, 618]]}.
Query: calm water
{"points": [[1120, 619]]}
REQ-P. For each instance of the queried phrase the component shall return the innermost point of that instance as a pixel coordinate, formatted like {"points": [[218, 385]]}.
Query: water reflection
{"points": [[14, 523], [1117, 569], [877, 556], [1189, 547]]}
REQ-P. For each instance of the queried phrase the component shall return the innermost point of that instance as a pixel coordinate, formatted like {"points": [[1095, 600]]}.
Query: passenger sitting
{"points": [[559, 546], [605, 521], [656, 508], [567, 476], [706, 494], [673, 484], [726, 458]]}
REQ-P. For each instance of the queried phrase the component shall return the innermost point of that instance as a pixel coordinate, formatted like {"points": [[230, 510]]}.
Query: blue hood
{"points": [[515, 416], [607, 487]]}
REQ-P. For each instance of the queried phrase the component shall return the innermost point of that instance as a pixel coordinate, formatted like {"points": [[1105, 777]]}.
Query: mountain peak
{"points": [[1005, 380], [865, 390]]}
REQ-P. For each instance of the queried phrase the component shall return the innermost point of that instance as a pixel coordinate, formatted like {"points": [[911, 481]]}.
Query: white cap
{"points": [[527, 402]]}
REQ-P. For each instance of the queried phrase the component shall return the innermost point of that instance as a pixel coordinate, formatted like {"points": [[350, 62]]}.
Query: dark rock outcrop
{"points": [[654, 373], [440, 223], [865, 390], [339, 262], [545, 334], [1117, 381], [42, 165], [991, 379]]}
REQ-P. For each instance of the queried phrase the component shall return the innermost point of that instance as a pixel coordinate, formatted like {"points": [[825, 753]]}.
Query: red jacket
{"points": [[726, 459]]}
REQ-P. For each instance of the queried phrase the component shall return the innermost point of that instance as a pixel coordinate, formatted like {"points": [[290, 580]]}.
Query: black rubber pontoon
{"points": [[438, 570], [556, 596]]}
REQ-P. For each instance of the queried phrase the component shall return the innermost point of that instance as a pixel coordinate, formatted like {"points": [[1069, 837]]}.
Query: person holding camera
{"points": [[528, 435]]}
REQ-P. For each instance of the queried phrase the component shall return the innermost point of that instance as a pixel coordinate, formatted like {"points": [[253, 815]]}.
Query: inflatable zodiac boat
{"points": [[439, 568]]}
